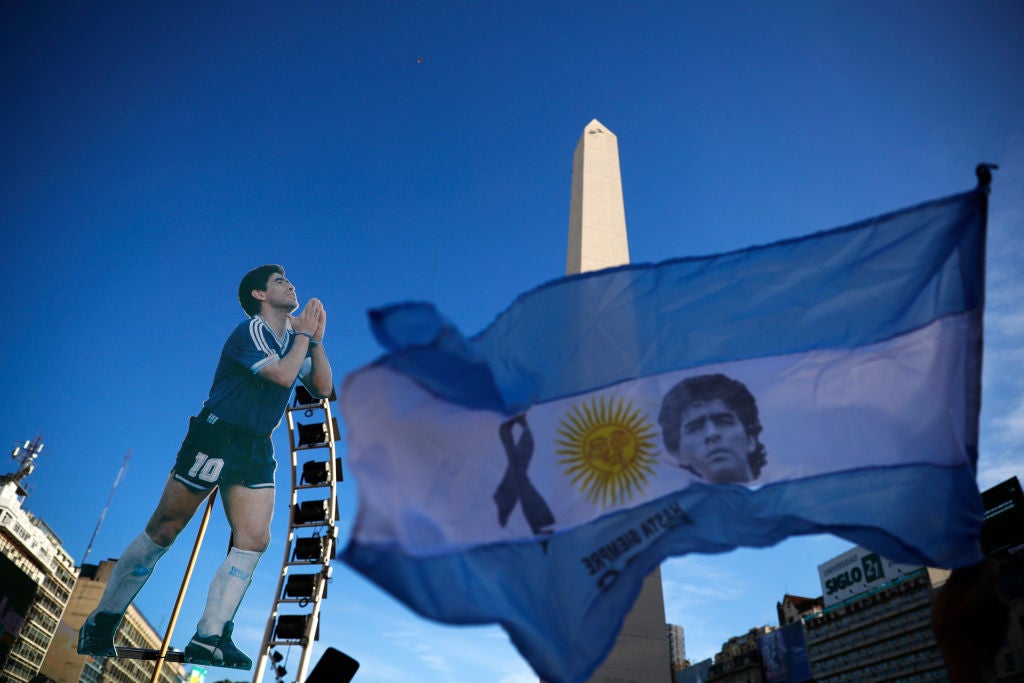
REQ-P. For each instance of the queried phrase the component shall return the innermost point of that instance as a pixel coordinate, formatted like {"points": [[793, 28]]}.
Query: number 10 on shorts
{"points": [[206, 468]]}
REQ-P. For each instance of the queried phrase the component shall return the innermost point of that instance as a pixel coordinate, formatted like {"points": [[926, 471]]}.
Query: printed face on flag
{"points": [[710, 424], [715, 443]]}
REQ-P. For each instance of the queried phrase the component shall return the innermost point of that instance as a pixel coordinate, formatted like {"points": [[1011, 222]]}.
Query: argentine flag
{"points": [[534, 474]]}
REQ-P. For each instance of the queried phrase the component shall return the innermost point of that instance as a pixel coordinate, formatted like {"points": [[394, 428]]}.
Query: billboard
{"points": [[1002, 535], [857, 571], [17, 591], [784, 655]]}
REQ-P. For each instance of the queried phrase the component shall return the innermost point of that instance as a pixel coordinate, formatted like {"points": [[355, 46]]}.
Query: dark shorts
{"points": [[219, 454]]}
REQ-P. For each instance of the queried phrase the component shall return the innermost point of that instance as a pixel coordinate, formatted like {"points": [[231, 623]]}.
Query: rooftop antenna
{"points": [[25, 455], [103, 514]]}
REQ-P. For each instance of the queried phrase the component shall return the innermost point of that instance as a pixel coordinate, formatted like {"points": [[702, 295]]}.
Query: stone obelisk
{"points": [[597, 214], [597, 239]]}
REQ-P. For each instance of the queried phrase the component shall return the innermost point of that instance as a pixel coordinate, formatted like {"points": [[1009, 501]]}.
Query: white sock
{"points": [[226, 590], [130, 574]]}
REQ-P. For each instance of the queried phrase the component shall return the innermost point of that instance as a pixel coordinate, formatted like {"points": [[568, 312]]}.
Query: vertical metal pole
{"points": [[184, 585]]}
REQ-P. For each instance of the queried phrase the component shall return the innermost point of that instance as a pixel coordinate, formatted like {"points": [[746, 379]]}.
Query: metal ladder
{"points": [[306, 568]]}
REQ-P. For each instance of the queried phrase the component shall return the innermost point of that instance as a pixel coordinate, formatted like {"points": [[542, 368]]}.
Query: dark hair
{"points": [[256, 278], [705, 388]]}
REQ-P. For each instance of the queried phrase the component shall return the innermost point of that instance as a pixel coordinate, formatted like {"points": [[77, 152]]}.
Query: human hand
{"points": [[318, 335], [308, 321]]}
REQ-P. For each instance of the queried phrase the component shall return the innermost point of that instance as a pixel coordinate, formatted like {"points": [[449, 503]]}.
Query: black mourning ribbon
{"points": [[515, 486]]}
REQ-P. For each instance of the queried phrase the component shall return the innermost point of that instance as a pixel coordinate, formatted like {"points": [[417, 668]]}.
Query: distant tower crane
{"points": [[103, 513]]}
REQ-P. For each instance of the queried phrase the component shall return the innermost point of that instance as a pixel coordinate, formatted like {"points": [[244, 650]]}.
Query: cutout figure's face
{"points": [[280, 293]]}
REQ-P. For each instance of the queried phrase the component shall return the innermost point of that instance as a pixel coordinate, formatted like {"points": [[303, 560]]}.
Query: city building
{"points": [[795, 608], [676, 647], [883, 630], [739, 660], [38, 575]]}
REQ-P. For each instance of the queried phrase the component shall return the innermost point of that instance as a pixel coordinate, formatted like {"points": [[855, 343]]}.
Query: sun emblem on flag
{"points": [[607, 447]]}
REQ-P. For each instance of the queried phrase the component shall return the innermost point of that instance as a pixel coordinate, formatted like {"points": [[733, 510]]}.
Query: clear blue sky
{"points": [[154, 152]]}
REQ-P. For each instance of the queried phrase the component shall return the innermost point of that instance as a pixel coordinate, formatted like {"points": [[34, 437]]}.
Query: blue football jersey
{"points": [[239, 394]]}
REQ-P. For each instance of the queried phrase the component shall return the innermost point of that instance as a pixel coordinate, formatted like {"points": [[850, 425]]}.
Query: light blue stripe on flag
{"points": [[529, 476]]}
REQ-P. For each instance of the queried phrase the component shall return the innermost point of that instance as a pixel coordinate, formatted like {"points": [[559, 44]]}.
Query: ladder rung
{"points": [[312, 486]]}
